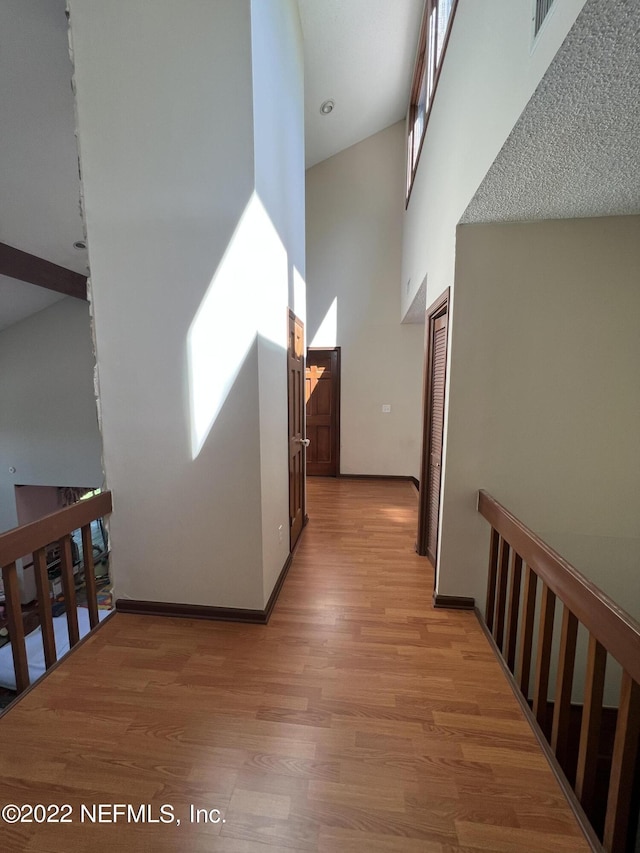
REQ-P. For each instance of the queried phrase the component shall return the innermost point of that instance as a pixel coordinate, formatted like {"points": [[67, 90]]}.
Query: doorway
{"points": [[297, 441], [322, 397], [435, 373]]}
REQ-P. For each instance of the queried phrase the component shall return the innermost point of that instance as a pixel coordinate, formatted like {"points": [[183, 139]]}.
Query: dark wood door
{"points": [[434, 393], [295, 361], [322, 395]]}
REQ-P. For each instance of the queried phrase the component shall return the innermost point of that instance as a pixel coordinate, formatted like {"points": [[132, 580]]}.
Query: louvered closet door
{"points": [[438, 366]]}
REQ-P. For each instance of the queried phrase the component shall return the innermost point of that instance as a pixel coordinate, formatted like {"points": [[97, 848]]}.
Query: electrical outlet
{"points": [[386, 408], [280, 533]]}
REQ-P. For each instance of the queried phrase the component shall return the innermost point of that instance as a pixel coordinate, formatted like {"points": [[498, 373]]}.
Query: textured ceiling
{"points": [[575, 151], [360, 54]]}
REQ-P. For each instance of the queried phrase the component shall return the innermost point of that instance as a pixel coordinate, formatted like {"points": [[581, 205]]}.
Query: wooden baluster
{"points": [[44, 606], [68, 585], [543, 657], [526, 641], [13, 610], [503, 581], [514, 612], [89, 575], [591, 719], [491, 583], [564, 683], [623, 765]]}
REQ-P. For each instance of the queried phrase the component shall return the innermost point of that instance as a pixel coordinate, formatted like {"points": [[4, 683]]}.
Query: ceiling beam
{"points": [[26, 267]]}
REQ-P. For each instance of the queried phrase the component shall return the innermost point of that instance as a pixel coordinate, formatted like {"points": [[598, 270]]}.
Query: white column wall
{"points": [[165, 115], [278, 116]]}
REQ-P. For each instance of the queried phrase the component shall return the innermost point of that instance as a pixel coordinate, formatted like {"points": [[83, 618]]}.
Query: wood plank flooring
{"points": [[358, 720]]}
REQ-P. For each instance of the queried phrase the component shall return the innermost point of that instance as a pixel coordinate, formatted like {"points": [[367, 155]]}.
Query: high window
{"points": [[542, 10], [434, 34]]}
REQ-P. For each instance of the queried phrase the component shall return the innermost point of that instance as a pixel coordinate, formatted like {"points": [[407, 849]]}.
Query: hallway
{"points": [[359, 719]]}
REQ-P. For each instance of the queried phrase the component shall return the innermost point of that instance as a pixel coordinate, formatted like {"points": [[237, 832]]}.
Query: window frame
{"points": [[426, 66]]}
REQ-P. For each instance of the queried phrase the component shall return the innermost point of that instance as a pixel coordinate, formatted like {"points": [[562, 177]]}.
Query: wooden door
{"points": [[322, 396], [295, 361], [433, 434]]}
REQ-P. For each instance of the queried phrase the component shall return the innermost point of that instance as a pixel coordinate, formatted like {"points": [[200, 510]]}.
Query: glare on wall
{"points": [[299, 295], [251, 280], [327, 334]]}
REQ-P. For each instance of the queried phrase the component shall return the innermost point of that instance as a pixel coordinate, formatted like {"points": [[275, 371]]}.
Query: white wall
{"points": [[48, 421], [544, 407], [278, 78], [278, 121], [354, 243], [489, 74], [178, 240], [165, 136]]}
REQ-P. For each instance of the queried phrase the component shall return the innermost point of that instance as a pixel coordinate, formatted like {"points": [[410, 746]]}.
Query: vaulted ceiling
{"points": [[574, 151], [357, 52], [360, 54]]}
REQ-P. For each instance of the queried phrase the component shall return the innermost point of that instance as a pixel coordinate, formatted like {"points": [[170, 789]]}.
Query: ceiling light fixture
{"points": [[326, 107], [80, 244]]}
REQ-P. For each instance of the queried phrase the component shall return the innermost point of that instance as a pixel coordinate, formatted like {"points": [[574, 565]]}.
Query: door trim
{"points": [[436, 310], [338, 395], [292, 321]]}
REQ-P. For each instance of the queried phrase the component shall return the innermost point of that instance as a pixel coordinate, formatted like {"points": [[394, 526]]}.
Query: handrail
{"points": [[510, 616], [612, 626], [34, 538], [18, 541]]}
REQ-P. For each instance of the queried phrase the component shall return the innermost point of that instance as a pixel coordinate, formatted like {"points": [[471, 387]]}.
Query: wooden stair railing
{"points": [[518, 561], [33, 539]]}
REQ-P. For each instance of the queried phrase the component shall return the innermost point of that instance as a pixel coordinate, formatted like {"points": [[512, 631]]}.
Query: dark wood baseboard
{"points": [[281, 579], [574, 804], [203, 611], [190, 611], [453, 602], [397, 477]]}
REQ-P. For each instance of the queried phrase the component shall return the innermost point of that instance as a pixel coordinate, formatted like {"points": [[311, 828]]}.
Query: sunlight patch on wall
{"points": [[299, 296], [247, 295], [327, 334]]}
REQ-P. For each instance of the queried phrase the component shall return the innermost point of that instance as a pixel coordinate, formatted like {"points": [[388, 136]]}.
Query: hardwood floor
{"points": [[358, 720]]}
